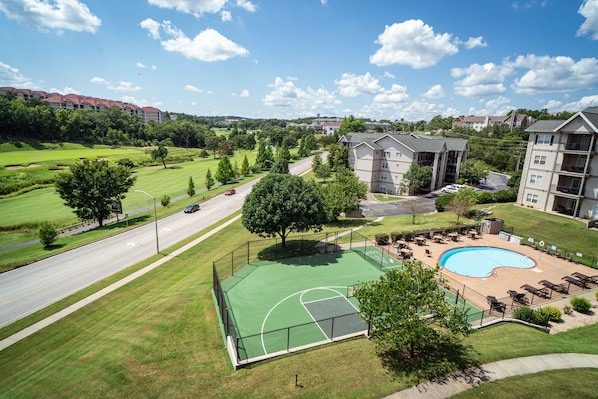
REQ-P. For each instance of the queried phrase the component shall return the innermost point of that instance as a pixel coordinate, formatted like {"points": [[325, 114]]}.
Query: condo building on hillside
{"points": [[381, 159], [560, 173]]}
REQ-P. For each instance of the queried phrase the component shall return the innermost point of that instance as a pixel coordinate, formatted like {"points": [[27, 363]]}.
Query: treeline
{"points": [[36, 120]]}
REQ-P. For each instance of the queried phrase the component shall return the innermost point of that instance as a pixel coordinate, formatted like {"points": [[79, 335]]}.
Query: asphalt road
{"points": [[33, 287]]}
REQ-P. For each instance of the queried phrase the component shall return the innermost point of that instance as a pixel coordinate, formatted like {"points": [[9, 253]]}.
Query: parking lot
{"points": [[373, 208]]}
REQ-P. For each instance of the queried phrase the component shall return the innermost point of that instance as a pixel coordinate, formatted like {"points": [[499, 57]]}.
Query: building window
{"points": [[533, 198], [387, 154], [540, 160], [384, 165], [535, 179], [544, 139]]}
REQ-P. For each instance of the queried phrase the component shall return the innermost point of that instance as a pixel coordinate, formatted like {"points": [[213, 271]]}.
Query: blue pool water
{"points": [[481, 261]]}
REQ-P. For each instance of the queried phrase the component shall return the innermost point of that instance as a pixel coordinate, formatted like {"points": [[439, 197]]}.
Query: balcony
{"points": [[572, 168], [581, 146]]}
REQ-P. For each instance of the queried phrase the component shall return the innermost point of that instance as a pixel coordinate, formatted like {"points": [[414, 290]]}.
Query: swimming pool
{"points": [[481, 261]]}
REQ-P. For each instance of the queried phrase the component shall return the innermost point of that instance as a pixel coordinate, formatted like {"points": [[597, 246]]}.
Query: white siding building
{"points": [[381, 159], [560, 173]]}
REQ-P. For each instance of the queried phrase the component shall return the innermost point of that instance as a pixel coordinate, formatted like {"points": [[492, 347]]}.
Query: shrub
{"points": [[394, 236], [596, 294], [382, 239], [568, 309], [165, 201], [485, 197], [126, 162], [524, 313], [554, 314], [580, 304], [508, 195], [442, 202], [47, 233], [541, 316]]}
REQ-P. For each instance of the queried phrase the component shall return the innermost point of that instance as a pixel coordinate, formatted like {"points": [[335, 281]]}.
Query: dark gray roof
{"points": [[544, 126], [591, 114], [416, 142]]}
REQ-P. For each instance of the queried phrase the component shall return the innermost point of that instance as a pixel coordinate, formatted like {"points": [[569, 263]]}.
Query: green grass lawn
{"points": [[387, 197], [159, 336], [172, 181]]}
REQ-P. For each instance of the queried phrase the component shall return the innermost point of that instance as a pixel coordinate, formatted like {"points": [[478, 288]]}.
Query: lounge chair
{"points": [[569, 257], [587, 279], [518, 297], [575, 281], [535, 245], [496, 304], [546, 249], [541, 292], [555, 287], [558, 253]]}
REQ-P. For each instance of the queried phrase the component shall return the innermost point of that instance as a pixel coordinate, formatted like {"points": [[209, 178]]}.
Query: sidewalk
{"points": [[452, 384]]}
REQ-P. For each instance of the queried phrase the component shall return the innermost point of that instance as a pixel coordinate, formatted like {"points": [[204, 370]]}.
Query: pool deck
{"points": [[476, 289]]}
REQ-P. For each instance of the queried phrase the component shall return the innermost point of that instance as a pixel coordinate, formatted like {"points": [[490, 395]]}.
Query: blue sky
{"points": [[382, 59]]}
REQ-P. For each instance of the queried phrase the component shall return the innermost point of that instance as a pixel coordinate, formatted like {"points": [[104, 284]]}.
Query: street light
{"points": [[155, 218]]}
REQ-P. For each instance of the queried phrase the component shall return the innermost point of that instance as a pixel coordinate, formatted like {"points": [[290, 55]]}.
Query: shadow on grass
{"points": [[348, 223], [436, 363], [53, 247], [293, 249]]}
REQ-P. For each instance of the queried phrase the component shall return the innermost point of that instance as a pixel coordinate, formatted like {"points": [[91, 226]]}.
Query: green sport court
{"points": [[291, 304]]}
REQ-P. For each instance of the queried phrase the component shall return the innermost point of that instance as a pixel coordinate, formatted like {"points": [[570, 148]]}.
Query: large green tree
{"points": [[344, 194], [281, 204], [225, 171], [159, 153], [90, 188], [416, 178], [473, 171], [408, 312]]}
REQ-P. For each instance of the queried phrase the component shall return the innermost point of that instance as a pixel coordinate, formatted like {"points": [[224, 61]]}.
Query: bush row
{"points": [[385, 238], [484, 197]]}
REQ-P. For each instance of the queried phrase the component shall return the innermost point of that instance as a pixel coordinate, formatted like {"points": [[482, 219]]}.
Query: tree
{"points": [[473, 171], [191, 187], [280, 166], [462, 202], [225, 172], [323, 172], [245, 169], [416, 178], [165, 200], [209, 180], [47, 233], [90, 188], [409, 315], [316, 162], [281, 204], [338, 157], [160, 153], [344, 194], [414, 207], [303, 150], [282, 152]]}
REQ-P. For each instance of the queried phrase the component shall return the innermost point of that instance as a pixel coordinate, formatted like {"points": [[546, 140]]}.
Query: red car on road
{"points": [[230, 192]]}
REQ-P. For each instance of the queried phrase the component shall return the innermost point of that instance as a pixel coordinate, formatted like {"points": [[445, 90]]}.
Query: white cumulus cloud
{"points": [[119, 87], [209, 45], [474, 42], [286, 95], [350, 85], [12, 77], [434, 92], [246, 5], [480, 80], [58, 15], [589, 10], [244, 93], [554, 74], [196, 7], [413, 43], [581, 104]]}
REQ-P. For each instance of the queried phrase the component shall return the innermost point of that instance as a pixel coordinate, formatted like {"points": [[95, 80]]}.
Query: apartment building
{"points": [[560, 173], [479, 122], [381, 159], [79, 102]]}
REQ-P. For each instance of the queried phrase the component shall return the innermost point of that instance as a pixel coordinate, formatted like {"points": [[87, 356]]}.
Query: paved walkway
{"points": [[452, 384]]}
